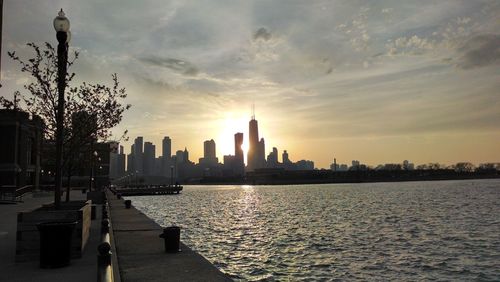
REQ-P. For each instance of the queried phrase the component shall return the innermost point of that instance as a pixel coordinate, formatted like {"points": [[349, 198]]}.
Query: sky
{"points": [[374, 81]]}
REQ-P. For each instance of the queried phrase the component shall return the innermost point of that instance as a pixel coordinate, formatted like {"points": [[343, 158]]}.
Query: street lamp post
{"points": [[61, 25]]}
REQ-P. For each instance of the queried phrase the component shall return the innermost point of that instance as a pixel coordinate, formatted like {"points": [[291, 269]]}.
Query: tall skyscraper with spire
{"points": [[256, 149]]}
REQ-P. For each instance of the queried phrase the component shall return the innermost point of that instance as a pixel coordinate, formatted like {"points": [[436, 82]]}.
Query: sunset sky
{"points": [[375, 81]]}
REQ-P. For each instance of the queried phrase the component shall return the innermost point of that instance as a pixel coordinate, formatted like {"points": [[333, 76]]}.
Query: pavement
{"points": [[141, 253], [81, 269]]}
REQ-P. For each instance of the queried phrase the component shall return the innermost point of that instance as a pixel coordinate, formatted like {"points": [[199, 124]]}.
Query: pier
{"points": [[147, 190], [141, 255], [138, 252]]}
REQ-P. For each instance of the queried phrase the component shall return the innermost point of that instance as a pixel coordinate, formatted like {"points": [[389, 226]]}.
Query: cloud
{"points": [[262, 34], [180, 66], [357, 31], [479, 51], [413, 45]]}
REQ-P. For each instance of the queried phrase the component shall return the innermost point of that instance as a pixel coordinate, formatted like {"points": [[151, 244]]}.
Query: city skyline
{"points": [[376, 82]]}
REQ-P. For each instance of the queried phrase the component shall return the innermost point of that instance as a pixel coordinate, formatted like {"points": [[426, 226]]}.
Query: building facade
{"points": [[20, 147]]}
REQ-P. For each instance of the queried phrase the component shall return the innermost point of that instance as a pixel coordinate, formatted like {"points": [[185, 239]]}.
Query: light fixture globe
{"points": [[68, 36], [61, 23]]}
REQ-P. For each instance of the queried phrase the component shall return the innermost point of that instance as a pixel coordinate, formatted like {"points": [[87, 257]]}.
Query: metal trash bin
{"points": [[55, 243], [172, 236], [93, 212], [128, 204]]}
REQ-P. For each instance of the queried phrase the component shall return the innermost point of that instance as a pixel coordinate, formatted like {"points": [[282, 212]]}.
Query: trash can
{"points": [[55, 243], [128, 204], [93, 212], [172, 235]]}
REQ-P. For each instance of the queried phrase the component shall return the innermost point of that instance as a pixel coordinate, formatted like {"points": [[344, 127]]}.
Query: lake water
{"points": [[442, 230]]}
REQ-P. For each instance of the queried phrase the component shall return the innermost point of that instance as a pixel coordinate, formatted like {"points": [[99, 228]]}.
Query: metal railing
{"points": [[104, 261], [14, 194]]}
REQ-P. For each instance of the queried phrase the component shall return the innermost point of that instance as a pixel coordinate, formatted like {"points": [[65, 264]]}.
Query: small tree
{"points": [[105, 104], [464, 167]]}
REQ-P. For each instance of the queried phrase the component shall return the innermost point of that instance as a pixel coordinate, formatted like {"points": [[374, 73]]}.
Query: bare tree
{"points": [[105, 104]]}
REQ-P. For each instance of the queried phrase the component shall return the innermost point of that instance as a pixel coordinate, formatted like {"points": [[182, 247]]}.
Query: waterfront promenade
{"points": [[139, 251], [141, 255], [83, 269]]}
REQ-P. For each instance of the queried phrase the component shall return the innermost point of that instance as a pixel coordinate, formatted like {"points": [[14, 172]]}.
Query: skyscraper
{"points": [[239, 159], [121, 162], [253, 148], [131, 160], [209, 158], [166, 156], [149, 158], [272, 158], [166, 148], [209, 149], [186, 155], [138, 155], [261, 154], [286, 160]]}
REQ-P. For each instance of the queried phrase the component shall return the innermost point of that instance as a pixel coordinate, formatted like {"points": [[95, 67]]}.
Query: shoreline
{"points": [[359, 179], [141, 255]]}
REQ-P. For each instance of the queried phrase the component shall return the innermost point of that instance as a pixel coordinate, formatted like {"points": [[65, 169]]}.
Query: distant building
{"points": [[334, 166], [261, 154], [285, 158], [253, 149], [229, 165], [138, 155], [166, 147], [20, 148], [149, 157], [113, 160], [408, 166], [120, 163], [272, 159], [239, 161], [343, 167], [166, 157], [209, 156], [304, 165], [186, 155], [182, 156], [209, 149], [131, 160]]}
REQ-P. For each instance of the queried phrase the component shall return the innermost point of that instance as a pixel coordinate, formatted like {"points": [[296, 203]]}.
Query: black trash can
{"points": [[172, 236], [128, 204], [55, 243]]}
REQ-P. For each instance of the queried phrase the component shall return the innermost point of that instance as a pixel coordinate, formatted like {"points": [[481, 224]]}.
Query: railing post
{"points": [[104, 267]]}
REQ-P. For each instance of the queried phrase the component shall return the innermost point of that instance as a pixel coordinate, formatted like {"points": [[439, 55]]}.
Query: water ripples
{"points": [[384, 231]]}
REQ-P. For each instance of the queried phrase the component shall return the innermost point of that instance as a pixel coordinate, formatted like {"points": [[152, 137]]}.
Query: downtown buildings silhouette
{"points": [[142, 161], [27, 159]]}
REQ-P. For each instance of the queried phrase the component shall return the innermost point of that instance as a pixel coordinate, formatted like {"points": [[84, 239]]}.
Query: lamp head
{"points": [[61, 23]]}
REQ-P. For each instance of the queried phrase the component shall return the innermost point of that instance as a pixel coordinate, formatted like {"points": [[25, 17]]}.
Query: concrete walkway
{"points": [[141, 255], [82, 269]]}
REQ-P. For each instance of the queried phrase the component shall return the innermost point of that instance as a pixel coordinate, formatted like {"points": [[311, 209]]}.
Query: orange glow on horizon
{"points": [[230, 125]]}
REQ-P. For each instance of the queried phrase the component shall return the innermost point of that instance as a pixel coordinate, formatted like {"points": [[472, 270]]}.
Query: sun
{"points": [[228, 126]]}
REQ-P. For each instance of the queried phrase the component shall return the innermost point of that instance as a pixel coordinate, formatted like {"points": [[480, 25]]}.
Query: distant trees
{"points": [[91, 110], [488, 167], [463, 167], [431, 166]]}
